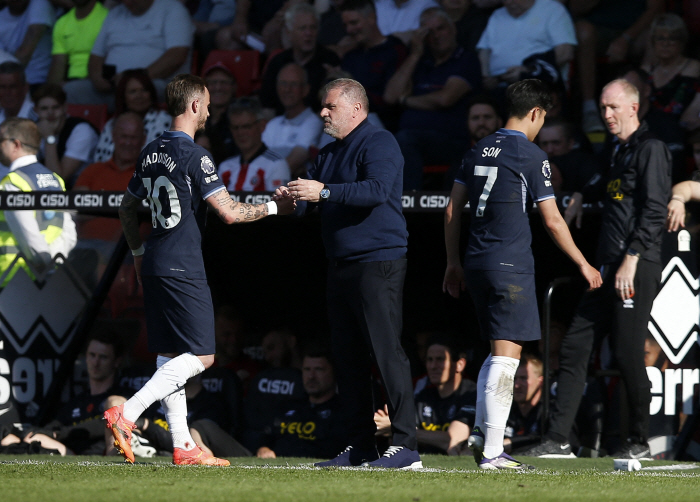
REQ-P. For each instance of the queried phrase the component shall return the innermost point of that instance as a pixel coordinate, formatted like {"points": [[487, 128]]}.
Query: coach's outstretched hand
{"points": [[592, 276]]}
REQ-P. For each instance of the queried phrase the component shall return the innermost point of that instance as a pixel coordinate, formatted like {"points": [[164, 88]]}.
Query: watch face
{"points": [[325, 193]]}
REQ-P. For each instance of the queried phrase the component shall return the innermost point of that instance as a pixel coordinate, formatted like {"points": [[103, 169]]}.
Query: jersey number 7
{"points": [[153, 192], [491, 173]]}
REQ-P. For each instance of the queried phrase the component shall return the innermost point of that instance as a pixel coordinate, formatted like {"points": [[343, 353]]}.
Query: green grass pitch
{"points": [[104, 479]]}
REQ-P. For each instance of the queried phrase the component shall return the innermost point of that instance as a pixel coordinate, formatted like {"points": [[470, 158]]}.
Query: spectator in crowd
{"points": [[112, 175], [15, 99], [38, 235], [375, 58], [297, 134], [155, 35], [673, 77], [483, 118], [470, 20], [257, 168], [275, 389], [222, 87], [524, 423], [445, 409], [520, 30], [637, 188], [301, 24], [617, 30], [73, 37], [312, 428], [25, 32], [67, 143], [401, 17], [78, 427], [433, 85], [574, 165], [135, 93]]}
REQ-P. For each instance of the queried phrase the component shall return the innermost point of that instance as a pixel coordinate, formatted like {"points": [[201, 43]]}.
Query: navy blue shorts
{"points": [[506, 304], [179, 315]]}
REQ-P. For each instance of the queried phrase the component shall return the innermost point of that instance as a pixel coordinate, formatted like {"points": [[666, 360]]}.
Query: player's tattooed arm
{"points": [[128, 215], [231, 211]]}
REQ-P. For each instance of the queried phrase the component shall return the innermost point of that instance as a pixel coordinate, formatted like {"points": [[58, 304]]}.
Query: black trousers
{"points": [[599, 313], [365, 312]]}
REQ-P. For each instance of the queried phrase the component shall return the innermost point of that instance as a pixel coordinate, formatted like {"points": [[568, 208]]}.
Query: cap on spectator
{"points": [[217, 64]]}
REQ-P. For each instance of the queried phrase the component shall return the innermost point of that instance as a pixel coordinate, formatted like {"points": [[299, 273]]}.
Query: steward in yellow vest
{"points": [[39, 235]]}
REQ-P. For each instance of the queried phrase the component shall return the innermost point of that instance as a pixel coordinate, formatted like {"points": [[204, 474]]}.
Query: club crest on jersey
{"points": [[207, 165], [546, 170]]}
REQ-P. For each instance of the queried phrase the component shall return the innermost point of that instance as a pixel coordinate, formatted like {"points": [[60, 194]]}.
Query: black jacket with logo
{"points": [[637, 189]]}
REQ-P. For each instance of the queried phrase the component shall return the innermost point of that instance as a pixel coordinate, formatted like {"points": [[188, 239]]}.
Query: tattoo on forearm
{"points": [[241, 212]]}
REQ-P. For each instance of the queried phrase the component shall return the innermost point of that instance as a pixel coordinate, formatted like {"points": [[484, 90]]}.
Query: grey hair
{"points": [[295, 10], [671, 23], [351, 89]]}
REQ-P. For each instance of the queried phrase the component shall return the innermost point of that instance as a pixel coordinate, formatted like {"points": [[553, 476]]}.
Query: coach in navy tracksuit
{"points": [[356, 183]]}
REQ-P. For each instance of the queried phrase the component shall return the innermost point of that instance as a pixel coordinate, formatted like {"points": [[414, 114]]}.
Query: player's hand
{"points": [[624, 278], [307, 190], [676, 215], [592, 276], [453, 282], [285, 204], [574, 211], [265, 452], [381, 418], [138, 262], [280, 193]]}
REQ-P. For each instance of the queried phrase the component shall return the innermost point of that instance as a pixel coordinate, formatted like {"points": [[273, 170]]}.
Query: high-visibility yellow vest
{"points": [[27, 179]]}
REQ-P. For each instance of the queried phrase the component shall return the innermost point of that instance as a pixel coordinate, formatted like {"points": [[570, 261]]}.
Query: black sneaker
{"points": [[397, 457], [634, 449], [350, 457], [549, 448]]}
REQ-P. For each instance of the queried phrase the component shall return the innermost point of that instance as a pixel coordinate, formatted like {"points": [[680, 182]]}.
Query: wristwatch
{"points": [[633, 252], [324, 193], [51, 140]]}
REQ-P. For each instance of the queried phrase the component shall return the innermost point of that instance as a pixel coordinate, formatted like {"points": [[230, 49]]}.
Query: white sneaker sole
{"points": [[413, 466]]}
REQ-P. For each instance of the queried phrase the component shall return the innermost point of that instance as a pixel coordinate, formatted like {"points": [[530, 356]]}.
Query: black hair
{"points": [[523, 96], [453, 347]]}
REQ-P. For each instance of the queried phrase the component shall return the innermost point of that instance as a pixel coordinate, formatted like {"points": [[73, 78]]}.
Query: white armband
{"points": [[271, 207], [139, 251]]}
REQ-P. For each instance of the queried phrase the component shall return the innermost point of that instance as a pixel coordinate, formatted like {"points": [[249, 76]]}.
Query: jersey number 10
{"points": [[153, 191]]}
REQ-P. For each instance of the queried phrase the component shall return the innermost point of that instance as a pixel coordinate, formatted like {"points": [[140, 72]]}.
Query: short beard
{"points": [[331, 130]]}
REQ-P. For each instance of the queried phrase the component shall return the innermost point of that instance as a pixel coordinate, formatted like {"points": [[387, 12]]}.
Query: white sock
{"points": [[170, 377], [497, 400], [480, 393], [175, 406]]}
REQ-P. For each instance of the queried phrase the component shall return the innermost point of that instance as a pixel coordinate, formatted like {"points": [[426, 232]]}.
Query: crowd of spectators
{"points": [[435, 72]]}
